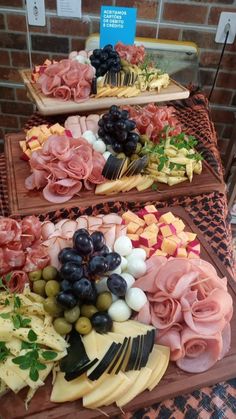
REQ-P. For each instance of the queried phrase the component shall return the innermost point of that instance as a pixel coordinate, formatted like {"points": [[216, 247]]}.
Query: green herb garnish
{"points": [[4, 351]]}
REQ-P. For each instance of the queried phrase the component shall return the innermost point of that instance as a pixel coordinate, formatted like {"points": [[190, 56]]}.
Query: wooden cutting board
{"points": [[50, 106], [23, 202], [175, 382]]}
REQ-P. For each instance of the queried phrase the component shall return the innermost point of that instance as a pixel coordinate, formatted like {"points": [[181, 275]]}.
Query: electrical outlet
{"points": [[226, 17], [36, 12]]}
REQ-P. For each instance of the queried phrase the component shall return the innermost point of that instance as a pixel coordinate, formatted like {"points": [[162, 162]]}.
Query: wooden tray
{"points": [[23, 202], [49, 106], [174, 382]]}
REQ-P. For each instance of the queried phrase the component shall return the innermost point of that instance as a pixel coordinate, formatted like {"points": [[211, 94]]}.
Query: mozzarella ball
{"points": [[123, 246], [123, 264], [129, 279], [136, 267], [99, 146], [115, 271], [137, 253], [135, 298], [101, 285], [119, 311], [106, 155], [89, 136]]}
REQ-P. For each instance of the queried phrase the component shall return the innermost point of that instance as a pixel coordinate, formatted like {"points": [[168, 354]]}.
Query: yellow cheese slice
{"points": [[14, 345], [67, 391], [90, 345], [139, 384], [128, 327], [6, 329], [48, 337], [94, 398], [23, 374], [158, 361], [115, 395], [42, 376], [12, 380]]}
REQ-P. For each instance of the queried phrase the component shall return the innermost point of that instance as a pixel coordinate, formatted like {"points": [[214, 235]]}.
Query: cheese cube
{"points": [[129, 216], [57, 129], [33, 132], [132, 227], [176, 239], [23, 145], [193, 255], [139, 231], [158, 243], [151, 209], [191, 236], [169, 246], [168, 230], [148, 238], [181, 252], [150, 219], [167, 218], [135, 239], [194, 246], [152, 227], [149, 250], [183, 237], [159, 252], [179, 225], [33, 144]]}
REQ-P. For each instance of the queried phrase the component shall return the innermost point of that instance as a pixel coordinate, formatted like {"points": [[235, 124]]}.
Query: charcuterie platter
{"points": [[51, 106], [22, 202], [173, 383]]}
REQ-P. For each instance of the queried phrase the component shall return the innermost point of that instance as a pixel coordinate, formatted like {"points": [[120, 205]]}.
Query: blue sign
{"points": [[117, 24]]}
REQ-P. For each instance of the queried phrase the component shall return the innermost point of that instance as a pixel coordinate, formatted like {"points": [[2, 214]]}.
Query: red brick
{"points": [[2, 23], [7, 93], [67, 27], [206, 40], [5, 58], [215, 12], [10, 74], [94, 6], [51, 4], [169, 33], [40, 29], [8, 121], [95, 26], [14, 3], [227, 80], [77, 44], [211, 59], [146, 9], [206, 77], [220, 96], [20, 58], [16, 23], [21, 95], [146, 31], [222, 116], [184, 13], [13, 40], [17, 108], [50, 43], [228, 130]]}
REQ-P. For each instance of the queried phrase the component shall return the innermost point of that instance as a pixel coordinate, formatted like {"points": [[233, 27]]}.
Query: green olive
{"points": [[39, 287], [49, 273], [52, 307], [121, 156], [87, 310], [104, 301], [52, 288], [134, 157], [83, 326], [62, 326], [143, 138], [138, 148], [72, 315], [35, 275]]}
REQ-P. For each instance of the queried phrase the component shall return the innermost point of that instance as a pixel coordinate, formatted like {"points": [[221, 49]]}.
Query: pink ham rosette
{"points": [[31, 231], [60, 191], [10, 230]]}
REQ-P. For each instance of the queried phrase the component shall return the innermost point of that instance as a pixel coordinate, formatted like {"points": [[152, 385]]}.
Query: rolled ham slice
{"points": [[171, 337]]}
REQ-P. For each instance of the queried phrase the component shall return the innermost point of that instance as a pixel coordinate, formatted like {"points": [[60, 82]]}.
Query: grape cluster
{"points": [[116, 130], [105, 59]]}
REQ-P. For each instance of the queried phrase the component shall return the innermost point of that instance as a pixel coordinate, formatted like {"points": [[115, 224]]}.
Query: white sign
{"points": [[69, 8]]}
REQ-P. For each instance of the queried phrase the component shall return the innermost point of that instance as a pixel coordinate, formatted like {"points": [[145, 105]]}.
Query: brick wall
{"points": [[179, 20]]}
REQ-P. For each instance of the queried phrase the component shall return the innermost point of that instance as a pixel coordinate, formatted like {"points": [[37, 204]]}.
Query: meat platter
{"points": [[22, 202], [50, 106], [175, 382]]}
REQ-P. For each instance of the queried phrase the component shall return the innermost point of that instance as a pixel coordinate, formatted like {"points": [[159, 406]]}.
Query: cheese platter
{"points": [[22, 202], [174, 382]]}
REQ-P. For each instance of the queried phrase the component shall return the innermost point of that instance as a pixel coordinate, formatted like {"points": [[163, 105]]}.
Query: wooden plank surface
{"points": [[23, 202], [50, 106], [175, 382]]}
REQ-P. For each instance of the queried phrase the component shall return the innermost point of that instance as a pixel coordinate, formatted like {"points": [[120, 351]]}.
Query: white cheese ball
{"points": [[106, 155], [135, 298], [123, 264], [89, 136], [99, 146], [137, 253], [115, 271], [129, 279], [123, 246], [119, 311], [136, 267], [101, 286]]}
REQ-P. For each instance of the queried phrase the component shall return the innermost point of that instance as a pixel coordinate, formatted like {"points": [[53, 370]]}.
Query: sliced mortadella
{"points": [[171, 337], [148, 281]]}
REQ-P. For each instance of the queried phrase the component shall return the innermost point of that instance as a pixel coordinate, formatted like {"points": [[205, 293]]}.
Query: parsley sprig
{"points": [[31, 358]]}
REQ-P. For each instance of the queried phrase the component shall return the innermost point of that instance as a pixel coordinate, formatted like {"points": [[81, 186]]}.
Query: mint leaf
{"points": [[16, 321], [40, 366], [4, 351], [34, 375], [5, 315], [18, 360], [16, 302], [32, 336], [27, 345], [7, 302], [25, 322], [49, 355]]}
